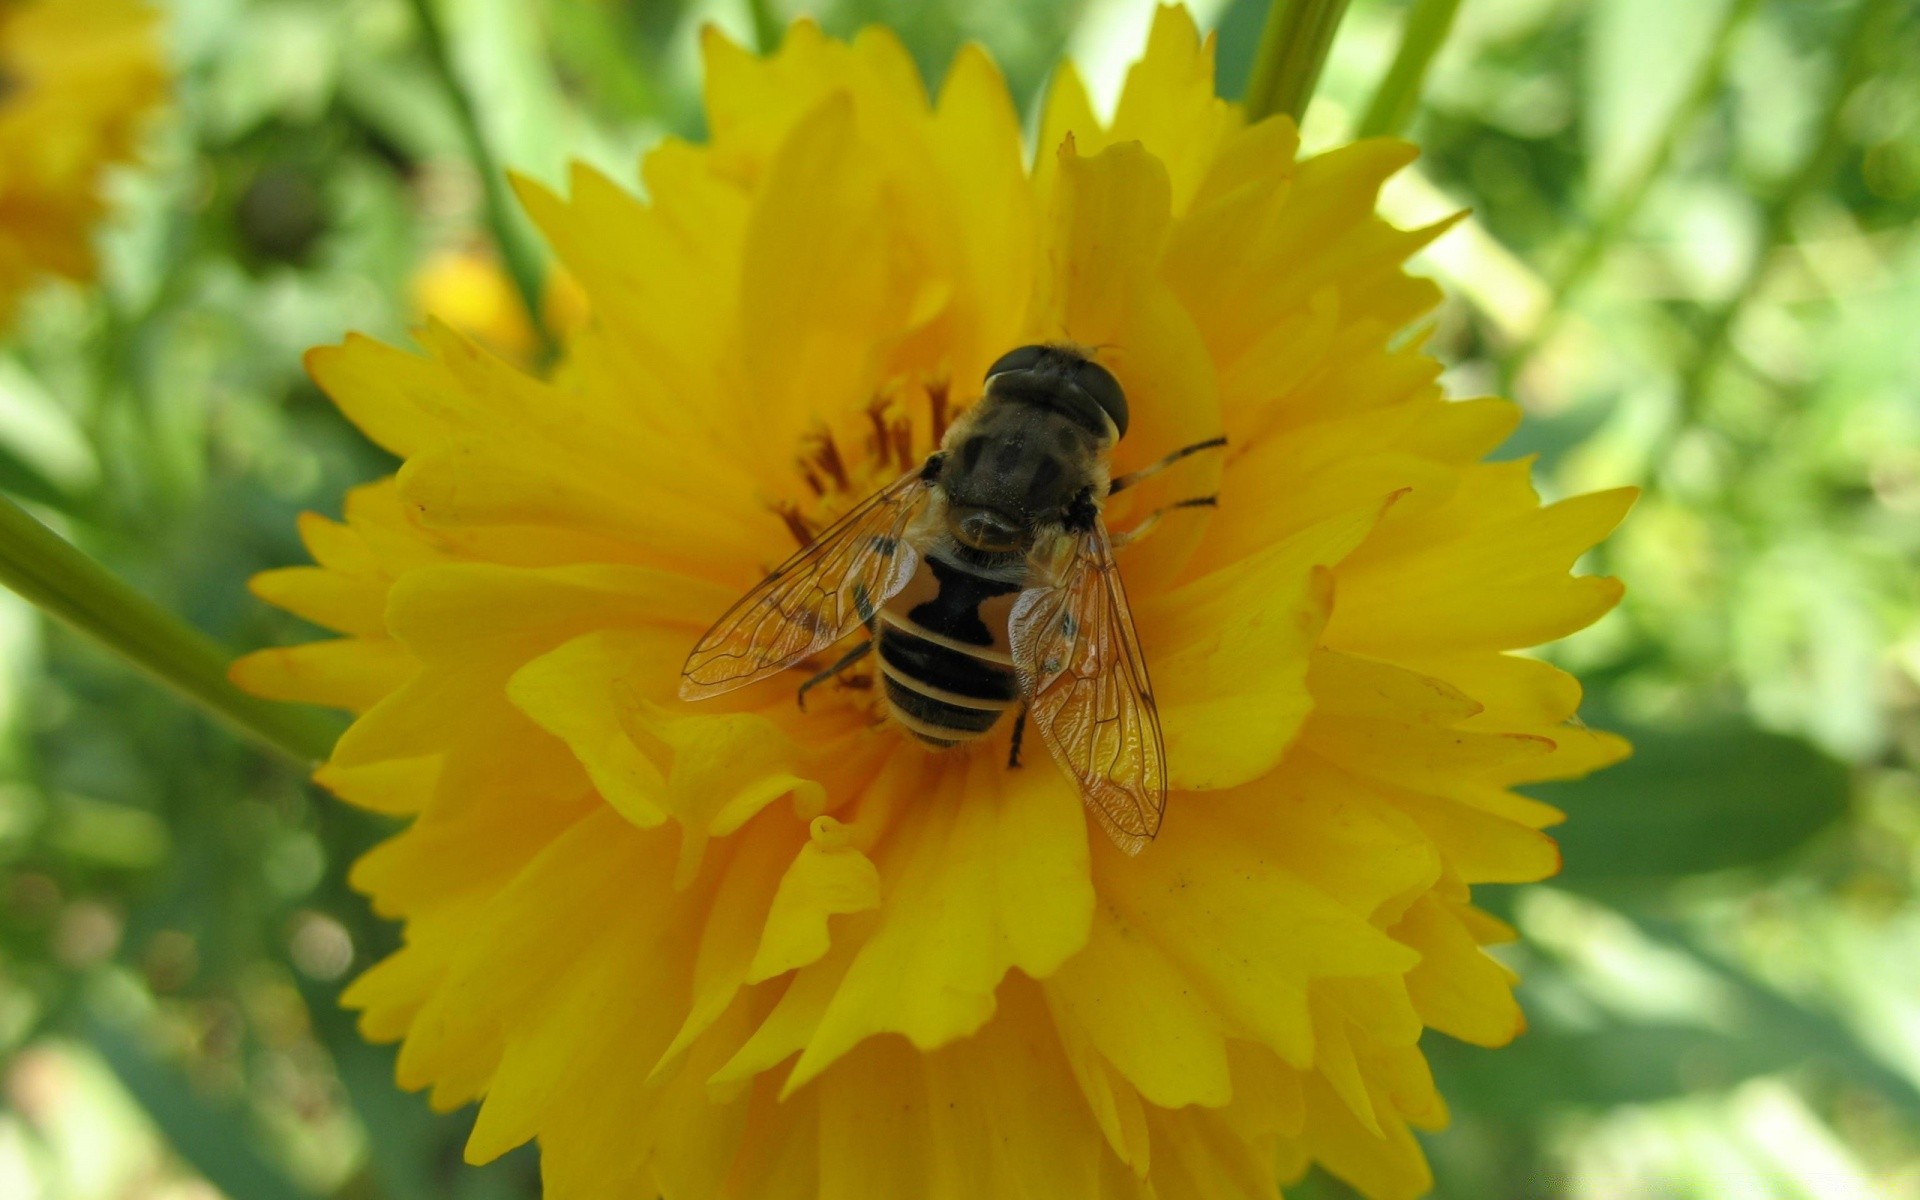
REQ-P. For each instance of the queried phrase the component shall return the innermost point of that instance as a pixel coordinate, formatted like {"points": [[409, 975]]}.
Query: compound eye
{"points": [[1016, 360], [1097, 382]]}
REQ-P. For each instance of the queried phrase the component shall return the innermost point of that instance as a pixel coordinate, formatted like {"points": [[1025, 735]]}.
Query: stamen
{"points": [[796, 524], [826, 456], [903, 443], [937, 403], [877, 440], [813, 482]]}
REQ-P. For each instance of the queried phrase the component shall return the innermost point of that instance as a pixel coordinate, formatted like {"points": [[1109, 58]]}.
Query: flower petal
{"points": [[1168, 103], [1459, 988], [975, 137], [821, 303], [1486, 571], [829, 877], [1136, 1008], [1247, 931], [984, 872], [578, 693], [1230, 654], [350, 673], [331, 599]]}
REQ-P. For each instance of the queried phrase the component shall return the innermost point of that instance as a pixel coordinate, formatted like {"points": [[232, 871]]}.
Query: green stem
{"points": [[767, 28], [1855, 62], [1293, 47], [1398, 96], [43, 568], [517, 251]]}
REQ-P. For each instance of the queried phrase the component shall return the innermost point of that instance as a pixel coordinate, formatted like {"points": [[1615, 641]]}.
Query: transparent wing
{"points": [[1087, 692], [817, 597]]}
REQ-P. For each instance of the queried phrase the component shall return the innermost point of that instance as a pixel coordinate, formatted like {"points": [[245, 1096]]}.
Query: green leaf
{"points": [[1708, 798], [1602, 1068], [214, 1140]]}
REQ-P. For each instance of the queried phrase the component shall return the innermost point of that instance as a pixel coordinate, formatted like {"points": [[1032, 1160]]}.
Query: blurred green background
{"points": [[1692, 256]]}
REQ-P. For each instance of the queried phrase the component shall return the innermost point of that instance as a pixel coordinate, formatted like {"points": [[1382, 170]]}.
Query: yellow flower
{"points": [[741, 950], [470, 291], [76, 76]]}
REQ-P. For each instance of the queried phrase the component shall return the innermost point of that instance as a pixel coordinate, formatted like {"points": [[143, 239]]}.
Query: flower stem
{"points": [[766, 26], [516, 250], [43, 568], [1398, 96], [1293, 47]]}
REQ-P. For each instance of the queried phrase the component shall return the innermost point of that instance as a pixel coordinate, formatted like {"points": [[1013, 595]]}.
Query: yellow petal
{"points": [[1389, 1167], [350, 673], [396, 398], [1480, 846], [1513, 692], [1458, 987], [1336, 1063], [997, 1117], [1104, 230], [1113, 1100], [1168, 103], [397, 787], [1229, 654], [466, 482], [1315, 824], [741, 901], [1487, 571], [822, 304], [336, 601], [456, 853], [1198, 1157], [658, 284], [1066, 115], [1136, 1008], [827, 878], [564, 901], [1249, 932], [976, 140], [578, 693], [982, 874]]}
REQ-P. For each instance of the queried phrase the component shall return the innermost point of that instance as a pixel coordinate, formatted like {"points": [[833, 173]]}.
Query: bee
{"points": [[986, 582]]}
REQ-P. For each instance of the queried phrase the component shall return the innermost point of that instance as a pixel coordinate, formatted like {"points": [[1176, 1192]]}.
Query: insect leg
{"points": [[1019, 731], [1147, 472], [846, 660], [1152, 519]]}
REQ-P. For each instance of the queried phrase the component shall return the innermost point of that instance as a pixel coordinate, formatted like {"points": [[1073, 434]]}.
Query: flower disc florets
{"points": [[741, 950]]}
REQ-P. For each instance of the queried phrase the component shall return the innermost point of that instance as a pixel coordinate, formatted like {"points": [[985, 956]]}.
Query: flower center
{"points": [[840, 467]]}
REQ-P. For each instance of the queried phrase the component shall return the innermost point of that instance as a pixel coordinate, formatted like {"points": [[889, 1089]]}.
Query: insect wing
{"points": [[1087, 692], [817, 597]]}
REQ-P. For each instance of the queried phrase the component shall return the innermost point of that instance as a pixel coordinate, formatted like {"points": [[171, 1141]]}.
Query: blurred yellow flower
{"points": [[754, 952], [76, 76], [470, 291]]}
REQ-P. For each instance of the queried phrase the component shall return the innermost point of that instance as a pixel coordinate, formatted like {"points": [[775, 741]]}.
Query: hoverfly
{"points": [[986, 582]]}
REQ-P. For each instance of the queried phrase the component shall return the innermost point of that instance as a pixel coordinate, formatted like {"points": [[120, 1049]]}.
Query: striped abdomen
{"points": [[944, 656]]}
